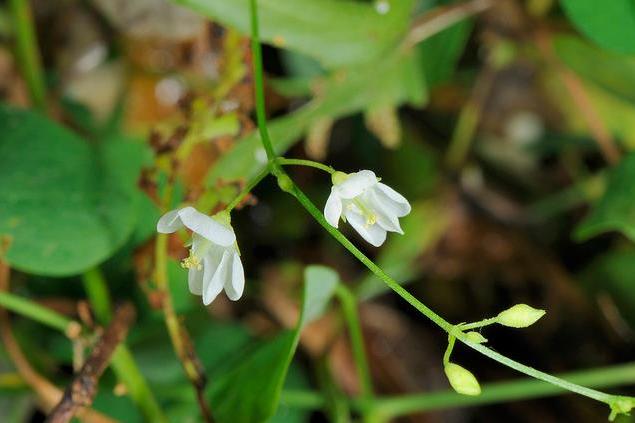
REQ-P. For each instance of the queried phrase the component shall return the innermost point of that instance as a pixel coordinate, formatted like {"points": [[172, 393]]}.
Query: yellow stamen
{"points": [[192, 262]]}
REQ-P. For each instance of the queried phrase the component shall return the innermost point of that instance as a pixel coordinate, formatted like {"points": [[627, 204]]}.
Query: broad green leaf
{"points": [[616, 209], [65, 205], [250, 392], [335, 32], [442, 51], [395, 80], [611, 24], [612, 72]]}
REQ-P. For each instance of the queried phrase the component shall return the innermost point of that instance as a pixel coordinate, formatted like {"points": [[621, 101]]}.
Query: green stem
{"points": [[349, 309], [98, 295], [32, 310], [260, 96], [302, 162], [122, 362], [248, 188], [448, 350], [479, 324], [27, 51], [293, 189], [492, 393]]}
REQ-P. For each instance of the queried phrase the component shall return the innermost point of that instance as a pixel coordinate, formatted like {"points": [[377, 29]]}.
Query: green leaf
{"points": [[612, 72], [394, 80], [335, 32], [442, 51], [250, 392], [611, 24], [616, 209], [65, 205]]}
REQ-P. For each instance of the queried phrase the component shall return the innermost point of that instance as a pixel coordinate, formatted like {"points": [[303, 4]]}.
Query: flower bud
{"points": [[285, 183], [476, 337], [519, 316], [462, 380]]}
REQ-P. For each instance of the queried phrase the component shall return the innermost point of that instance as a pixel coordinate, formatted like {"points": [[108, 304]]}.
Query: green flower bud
{"points": [[285, 183], [519, 316], [462, 380], [476, 337]]}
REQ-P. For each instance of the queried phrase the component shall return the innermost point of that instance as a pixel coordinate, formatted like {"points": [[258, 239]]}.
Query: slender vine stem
{"points": [[302, 162], [290, 187], [448, 350], [27, 51], [479, 324], [247, 189], [258, 75], [350, 312], [34, 311]]}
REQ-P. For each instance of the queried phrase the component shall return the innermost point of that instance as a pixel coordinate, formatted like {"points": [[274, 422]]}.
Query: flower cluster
{"points": [[372, 209]]}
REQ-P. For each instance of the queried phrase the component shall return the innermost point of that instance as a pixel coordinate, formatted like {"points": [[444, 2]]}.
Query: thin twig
{"points": [[179, 335], [47, 393], [581, 100], [441, 18], [82, 390]]}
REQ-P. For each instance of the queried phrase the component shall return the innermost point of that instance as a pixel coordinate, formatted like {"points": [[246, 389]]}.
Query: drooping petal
{"points": [[169, 222], [216, 283], [207, 227], [333, 208], [397, 202], [195, 279], [383, 210], [235, 282], [356, 183], [374, 234]]}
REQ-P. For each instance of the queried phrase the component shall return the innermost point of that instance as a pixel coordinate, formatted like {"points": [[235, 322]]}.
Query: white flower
{"points": [[214, 262], [372, 208]]}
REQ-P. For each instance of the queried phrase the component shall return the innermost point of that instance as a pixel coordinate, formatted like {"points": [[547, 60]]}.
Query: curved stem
{"points": [[349, 309], [302, 162], [260, 96], [250, 186], [27, 52], [294, 190], [35, 311], [448, 350]]}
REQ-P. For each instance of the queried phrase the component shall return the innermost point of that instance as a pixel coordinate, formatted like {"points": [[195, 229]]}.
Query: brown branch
{"points": [[581, 99], [179, 336], [441, 18], [48, 394], [82, 390]]}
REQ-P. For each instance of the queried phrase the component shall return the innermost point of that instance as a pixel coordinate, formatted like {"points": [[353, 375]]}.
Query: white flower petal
{"points": [[356, 183], [235, 284], [207, 227], [333, 208], [169, 222], [383, 210], [374, 234], [195, 280], [215, 285], [398, 202]]}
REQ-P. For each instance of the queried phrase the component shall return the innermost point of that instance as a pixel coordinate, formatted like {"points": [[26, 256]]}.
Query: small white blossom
{"points": [[214, 261], [372, 208]]}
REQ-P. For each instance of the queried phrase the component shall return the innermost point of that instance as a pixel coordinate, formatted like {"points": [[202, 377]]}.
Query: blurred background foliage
{"points": [[508, 124]]}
